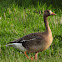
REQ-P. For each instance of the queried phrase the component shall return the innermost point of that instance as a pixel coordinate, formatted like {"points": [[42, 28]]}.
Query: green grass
{"points": [[15, 22]]}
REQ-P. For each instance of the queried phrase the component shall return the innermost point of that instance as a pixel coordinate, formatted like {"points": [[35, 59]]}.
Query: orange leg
{"points": [[27, 56], [36, 55]]}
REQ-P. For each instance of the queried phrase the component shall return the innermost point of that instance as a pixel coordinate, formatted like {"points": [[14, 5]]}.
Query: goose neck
{"points": [[46, 23]]}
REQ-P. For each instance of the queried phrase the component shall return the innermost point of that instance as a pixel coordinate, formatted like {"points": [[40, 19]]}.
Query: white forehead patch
{"points": [[50, 12]]}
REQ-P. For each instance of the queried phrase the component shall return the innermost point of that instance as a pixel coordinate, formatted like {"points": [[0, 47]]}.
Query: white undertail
{"points": [[17, 45]]}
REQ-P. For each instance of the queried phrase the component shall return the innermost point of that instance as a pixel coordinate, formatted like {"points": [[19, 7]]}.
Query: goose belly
{"points": [[42, 47]]}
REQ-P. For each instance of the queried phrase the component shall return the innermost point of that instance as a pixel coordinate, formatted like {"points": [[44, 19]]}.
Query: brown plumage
{"points": [[36, 42]]}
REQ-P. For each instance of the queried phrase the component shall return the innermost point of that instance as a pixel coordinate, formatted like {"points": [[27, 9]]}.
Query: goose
{"points": [[35, 42]]}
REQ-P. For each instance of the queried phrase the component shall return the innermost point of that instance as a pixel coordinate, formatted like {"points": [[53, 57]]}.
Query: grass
{"points": [[18, 18]]}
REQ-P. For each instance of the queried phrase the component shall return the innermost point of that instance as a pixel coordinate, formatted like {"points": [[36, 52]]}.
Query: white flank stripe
{"points": [[28, 40]]}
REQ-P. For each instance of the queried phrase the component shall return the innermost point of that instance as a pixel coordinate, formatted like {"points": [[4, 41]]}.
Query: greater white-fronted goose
{"points": [[35, 42]]}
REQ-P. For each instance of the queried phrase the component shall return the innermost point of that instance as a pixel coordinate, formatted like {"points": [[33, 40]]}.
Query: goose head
{"points": [[48, 13]]}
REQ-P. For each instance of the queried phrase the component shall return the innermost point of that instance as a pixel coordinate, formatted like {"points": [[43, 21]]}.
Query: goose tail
{"points": [[7, 45]]}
